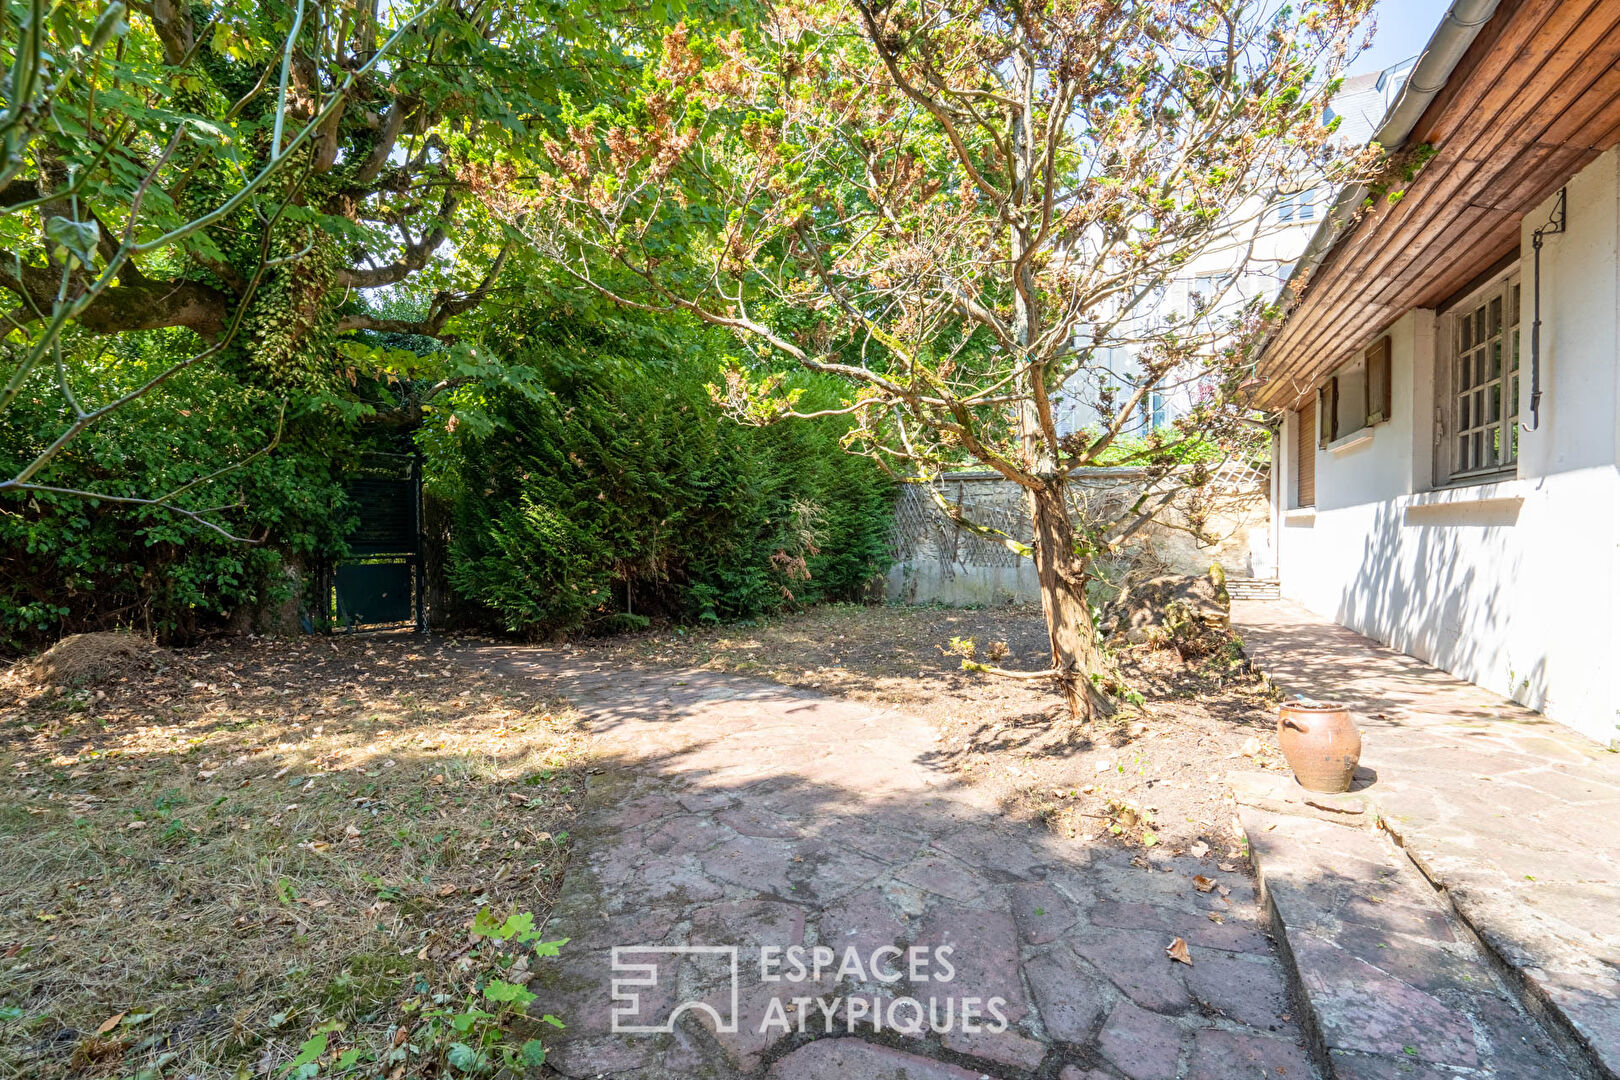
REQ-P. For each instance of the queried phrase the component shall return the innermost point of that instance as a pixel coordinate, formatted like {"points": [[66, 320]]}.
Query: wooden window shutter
{"points": [[1305, 453], [1327, 411], [1380, 401]]}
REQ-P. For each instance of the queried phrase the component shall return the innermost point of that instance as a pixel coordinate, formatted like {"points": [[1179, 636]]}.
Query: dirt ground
{"points": [[206, 857], [1151, 775]]}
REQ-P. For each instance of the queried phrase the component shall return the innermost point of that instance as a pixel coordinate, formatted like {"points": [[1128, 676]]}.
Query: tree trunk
{"points": [[1062, 573]]}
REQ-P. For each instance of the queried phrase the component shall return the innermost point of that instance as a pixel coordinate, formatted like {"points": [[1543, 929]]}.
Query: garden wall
{"points": [[937, 561]]}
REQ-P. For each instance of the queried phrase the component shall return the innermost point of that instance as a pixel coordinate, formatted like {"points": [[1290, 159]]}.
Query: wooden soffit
{"points": [[1534, 100]]}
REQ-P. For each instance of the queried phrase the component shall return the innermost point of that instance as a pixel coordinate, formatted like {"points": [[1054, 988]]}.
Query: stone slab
{"points": [[1514, 816], [1387, 985], [852, 1059]]}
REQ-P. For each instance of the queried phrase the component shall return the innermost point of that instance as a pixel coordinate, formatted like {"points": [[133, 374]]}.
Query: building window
{"points": [[1484, 387], [1154, 413], [1205, 286], [1300, 206]]}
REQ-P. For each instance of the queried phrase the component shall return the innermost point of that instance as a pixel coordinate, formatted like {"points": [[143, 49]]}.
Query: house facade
{"points": [[1254, 263], [1447, 458]]}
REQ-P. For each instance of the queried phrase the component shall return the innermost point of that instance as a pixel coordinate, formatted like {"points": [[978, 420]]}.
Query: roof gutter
{"points": [[1430, 75]]}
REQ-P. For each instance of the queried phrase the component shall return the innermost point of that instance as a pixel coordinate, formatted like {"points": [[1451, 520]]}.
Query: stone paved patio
{"points": [[731, 812], [1516, 818]]}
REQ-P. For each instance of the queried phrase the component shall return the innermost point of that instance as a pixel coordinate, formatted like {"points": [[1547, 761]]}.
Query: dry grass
{"points": [[202, 864]]}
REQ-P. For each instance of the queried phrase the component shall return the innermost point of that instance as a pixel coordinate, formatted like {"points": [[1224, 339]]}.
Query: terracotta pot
{"points": [[1321, 744]]}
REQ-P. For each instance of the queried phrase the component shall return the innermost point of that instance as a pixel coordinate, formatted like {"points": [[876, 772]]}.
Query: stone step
{"points": [[1510, 819], [1392, 984], [1252, 589], [1532, 928]]}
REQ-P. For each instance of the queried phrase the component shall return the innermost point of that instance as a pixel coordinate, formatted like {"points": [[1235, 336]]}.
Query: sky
{"points": [[1404, 27]]}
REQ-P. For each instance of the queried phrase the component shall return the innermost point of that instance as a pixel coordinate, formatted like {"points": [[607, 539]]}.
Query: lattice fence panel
{"points": [[922, 531], [1242, 477]]}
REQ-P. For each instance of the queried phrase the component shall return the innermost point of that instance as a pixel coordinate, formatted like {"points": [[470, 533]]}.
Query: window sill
{"points": [[1485, 502], [1302, 518], [1345, 443], [1480, 488]]}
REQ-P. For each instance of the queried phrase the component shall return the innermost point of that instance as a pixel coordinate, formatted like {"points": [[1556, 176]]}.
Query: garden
{"points": [[662, 308]]}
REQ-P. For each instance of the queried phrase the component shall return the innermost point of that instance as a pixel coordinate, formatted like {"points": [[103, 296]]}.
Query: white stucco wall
{"points": [[1513, 584]]}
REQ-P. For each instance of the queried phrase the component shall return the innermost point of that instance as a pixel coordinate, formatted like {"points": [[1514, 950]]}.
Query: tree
{"points": [[965, 210], [239, 178]]}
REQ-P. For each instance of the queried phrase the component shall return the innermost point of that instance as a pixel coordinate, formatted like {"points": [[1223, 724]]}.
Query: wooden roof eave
{"points": [[1446, 49]]}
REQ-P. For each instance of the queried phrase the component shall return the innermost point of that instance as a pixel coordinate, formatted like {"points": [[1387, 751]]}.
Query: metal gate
{"points": [[380, 584]]}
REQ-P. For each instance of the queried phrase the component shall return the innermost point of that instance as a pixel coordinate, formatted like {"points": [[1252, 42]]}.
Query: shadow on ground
{"points": [[729, 812]]}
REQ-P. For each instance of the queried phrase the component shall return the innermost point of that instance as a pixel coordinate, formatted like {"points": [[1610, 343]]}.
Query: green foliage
{"points": [[1165, 446], [621, 492], [483, 1031], [69, 564]]}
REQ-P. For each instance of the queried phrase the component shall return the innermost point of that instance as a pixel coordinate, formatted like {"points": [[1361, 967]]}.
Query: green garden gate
{"points": [[380, 584]]}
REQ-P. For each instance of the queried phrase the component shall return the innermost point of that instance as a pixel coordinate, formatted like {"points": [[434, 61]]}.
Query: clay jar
{"points": [[1321, 744]]}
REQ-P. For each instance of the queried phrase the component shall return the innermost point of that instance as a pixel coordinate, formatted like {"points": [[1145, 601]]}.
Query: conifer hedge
{"points": [[621, 494]]}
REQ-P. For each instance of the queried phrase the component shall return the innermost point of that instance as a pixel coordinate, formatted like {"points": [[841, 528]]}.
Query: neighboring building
{"points": [[1425, 493], [1283, 224]]}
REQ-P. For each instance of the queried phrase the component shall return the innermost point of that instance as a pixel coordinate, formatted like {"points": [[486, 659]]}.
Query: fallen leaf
{"points": [[109, 1023], [1198, 849], [1216, 917], [1177, 951], [1230, 868], [1203, 884]]}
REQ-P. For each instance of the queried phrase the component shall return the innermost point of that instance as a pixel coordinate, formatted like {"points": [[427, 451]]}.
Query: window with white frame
{"points": [[1299, 206], [1204, 288], [1482, 434]]}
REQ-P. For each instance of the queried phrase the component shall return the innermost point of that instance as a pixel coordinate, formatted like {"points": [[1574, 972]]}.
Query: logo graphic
{"points": [[642, 977]]}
